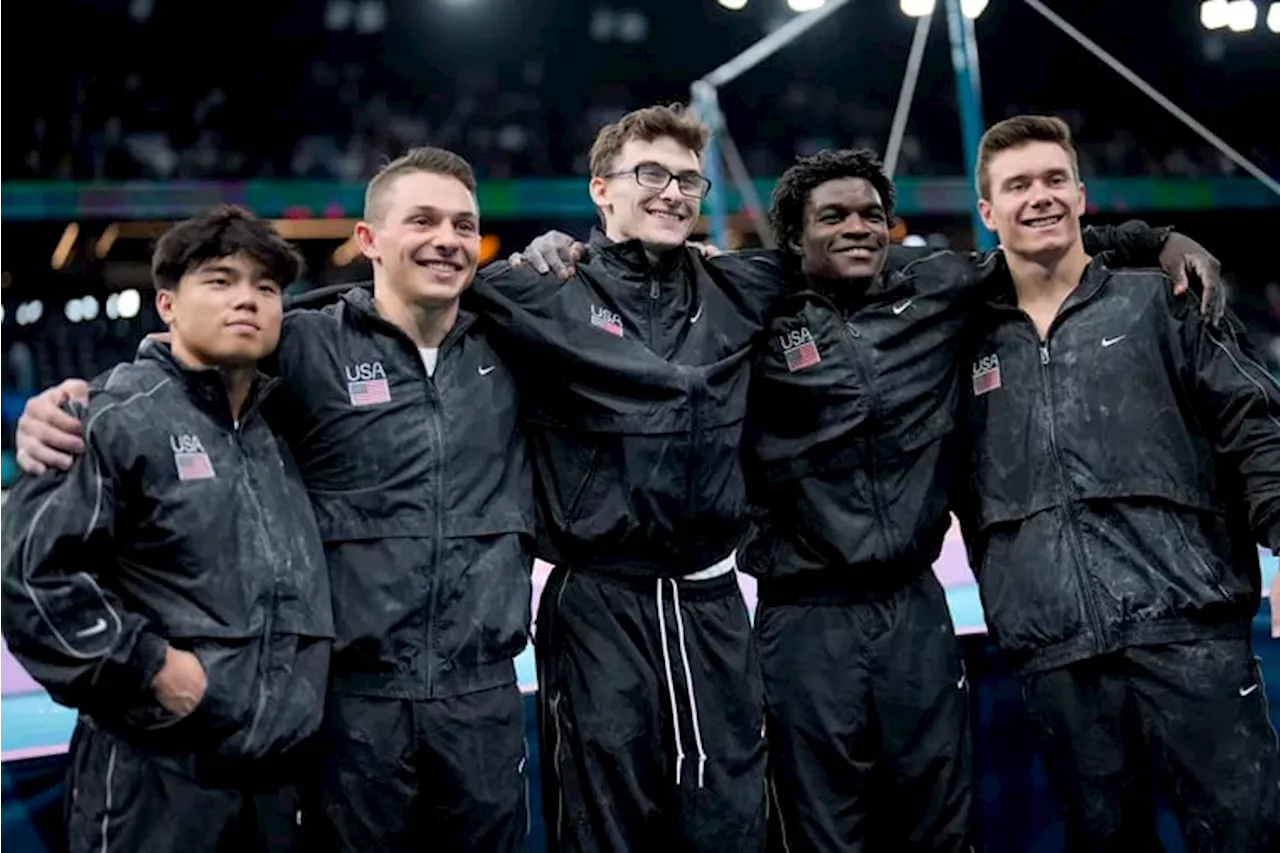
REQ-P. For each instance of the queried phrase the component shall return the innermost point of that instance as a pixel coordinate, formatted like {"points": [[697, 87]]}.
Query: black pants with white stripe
{"points": [[123, 799], [869, 738], [1188, 718], [651, 716]]}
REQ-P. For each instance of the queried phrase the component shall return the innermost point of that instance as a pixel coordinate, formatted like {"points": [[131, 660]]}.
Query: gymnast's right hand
{"points": [[48, 437]]}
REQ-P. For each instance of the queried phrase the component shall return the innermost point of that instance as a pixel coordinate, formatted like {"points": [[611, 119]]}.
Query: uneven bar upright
{"points": [[964, 58]]}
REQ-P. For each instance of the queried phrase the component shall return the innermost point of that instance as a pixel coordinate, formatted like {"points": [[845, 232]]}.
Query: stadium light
{"points": [[1273, 17], [733, 5], [916, 8], [1214, 14], [805, 5], [971, 9], [129, 303], [29, 312], [1243, 16]]}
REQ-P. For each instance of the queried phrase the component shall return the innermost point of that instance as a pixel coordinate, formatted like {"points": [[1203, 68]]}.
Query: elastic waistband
{"points": [[840, 586], [690, 590], [1174, 629], [447, 681]]}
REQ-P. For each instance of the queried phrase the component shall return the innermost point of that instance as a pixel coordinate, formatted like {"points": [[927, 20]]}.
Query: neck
{"points": [[652, 251], [842, 291], [1039, 280], [237, 379], [426, 325]]}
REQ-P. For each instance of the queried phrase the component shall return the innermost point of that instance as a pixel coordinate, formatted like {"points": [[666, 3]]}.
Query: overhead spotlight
{"points": [[1214, 14], [128, 304], [916, 8], [733, 5], [971, 9], [805, 5], [1243, 16], [113, 307], [1273, 17]]}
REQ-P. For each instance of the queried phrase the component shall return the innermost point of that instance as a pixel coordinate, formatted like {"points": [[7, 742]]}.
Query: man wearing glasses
{"points": [[633, 376]]}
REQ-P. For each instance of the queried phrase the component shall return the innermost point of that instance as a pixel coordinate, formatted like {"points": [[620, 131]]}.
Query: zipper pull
{"points": [[653, 289], [1044, 353]]}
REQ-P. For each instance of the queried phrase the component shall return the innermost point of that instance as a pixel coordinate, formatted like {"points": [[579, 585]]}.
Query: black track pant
{"points": [[123, 800], [444, 774], [651, 716], [868, 723], [1190, 717]]}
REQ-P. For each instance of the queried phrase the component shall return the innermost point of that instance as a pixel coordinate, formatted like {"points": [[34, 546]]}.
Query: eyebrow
{"points": [[217, 269], [1025, 176], [430, 208]]}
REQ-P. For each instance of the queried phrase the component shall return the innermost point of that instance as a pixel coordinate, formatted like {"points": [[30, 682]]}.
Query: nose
{"points": [[446, 241], [244, 297], [671, 193], [1040, 196], [856, 226]]}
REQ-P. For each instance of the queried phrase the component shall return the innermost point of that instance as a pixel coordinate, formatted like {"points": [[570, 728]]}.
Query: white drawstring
{"points": [[688, 681], [671, 685]]}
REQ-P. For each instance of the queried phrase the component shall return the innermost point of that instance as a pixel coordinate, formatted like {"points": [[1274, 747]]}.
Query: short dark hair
{"points": [[786, 208], [218, 233], [1018, 131], [425, 158], [646, 125]]}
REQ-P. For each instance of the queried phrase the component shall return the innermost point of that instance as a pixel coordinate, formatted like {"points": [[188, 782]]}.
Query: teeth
{"points": [[665, 215], [1044, 221], [437, 265]]}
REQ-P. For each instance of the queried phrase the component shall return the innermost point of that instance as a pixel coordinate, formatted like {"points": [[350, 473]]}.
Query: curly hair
{"points": [[786, 207], [218, 233]]}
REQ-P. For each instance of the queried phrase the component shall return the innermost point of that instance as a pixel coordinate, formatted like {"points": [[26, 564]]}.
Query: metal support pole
{"points": [[707, 105], [964, 58]]}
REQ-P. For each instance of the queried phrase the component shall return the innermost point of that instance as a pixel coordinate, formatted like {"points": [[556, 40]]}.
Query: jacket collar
{"points": [[999, 282], [205, 384], [630, 261], [358, 304]]}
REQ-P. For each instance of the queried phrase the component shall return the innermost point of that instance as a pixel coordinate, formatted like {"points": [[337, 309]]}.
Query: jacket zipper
{"points": [[860, 364], [653, 313], [1068, 506]]}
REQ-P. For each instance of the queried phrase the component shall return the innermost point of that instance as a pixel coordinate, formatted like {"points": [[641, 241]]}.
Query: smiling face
{"points": [[636, 206], [846, 231], [1034, 201], [424, 241]]}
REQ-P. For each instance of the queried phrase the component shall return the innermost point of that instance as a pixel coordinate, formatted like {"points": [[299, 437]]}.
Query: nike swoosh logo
{"points": [[1109, 342], [1245, 691], [898, 309], [485, 371], [698, 315], [960, 683], [94, 629]]}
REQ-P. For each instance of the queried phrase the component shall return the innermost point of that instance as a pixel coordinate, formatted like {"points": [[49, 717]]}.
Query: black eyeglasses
{"points": [[654, 177]]}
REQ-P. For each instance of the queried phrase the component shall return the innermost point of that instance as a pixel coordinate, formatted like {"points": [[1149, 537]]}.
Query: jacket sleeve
{"points": [[1239, 401], [756, 280], [1131, 244], [60, 618]]}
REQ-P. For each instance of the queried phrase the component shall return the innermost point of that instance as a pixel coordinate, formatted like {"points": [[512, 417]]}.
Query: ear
{"points": [[1083, 203], [164, 305], [598, 188], [367, 240], [987, 213]]}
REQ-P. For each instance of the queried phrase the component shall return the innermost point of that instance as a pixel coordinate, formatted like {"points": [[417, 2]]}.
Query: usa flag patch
{"points": [[610, 321], [799, 349], [370, 392], [986, 375], [193, 466]]}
